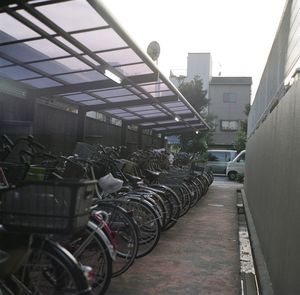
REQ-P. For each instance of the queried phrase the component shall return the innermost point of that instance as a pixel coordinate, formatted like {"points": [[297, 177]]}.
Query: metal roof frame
{"points": [[94, 78]]}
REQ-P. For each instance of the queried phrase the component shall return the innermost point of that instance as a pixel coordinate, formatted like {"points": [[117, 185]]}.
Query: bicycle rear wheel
{"points": [[125, 234], [90, 249], [147, 221], [50, 270]]}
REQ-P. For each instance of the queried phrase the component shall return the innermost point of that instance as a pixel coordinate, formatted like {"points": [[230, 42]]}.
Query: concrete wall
{"points": [[102, 132], [272, 189], [283, 60], [199, 64], [57, 129], [241, 87]]}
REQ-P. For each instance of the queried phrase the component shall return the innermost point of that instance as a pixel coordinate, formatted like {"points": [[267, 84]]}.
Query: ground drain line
{"points": [[249, 284]]}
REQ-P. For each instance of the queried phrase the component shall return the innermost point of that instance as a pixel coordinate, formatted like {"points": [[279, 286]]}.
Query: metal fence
{"points": [[283, 60]]}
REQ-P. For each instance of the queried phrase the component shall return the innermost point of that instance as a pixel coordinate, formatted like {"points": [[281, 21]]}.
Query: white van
{"points": [[218, 159], [236, 166]]}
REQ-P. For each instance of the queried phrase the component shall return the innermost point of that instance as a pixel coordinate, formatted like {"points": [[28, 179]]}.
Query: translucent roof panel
{"points": [[63, 65], [17, 73], [161, 94], [135, 90], [11, 29], [33, 50], [42, 83], [143, 108], [131, 118], [48, 48], [35, 21], [116, 111], [92, 102], [4, 62], [109, 39], [113, 92], [197, 124], [190, 119], [124, 115], [67, 43], [96, 63], [120, 57], [67, 67], [155, 87], [183, 112], [80, 97], [143, 113], [134, 70], [82, 77], [174, 104], [123, 98], [73, 15], [179, 109]]}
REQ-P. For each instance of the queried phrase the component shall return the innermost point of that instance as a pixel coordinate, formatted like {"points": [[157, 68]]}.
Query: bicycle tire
{"points": [[125, 233], [148, 223], [51, 269], [90, 249]]}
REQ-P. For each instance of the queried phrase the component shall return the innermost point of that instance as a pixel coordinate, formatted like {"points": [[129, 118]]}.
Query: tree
{"points": [[194, 93], [196, 96], [240, 139]]}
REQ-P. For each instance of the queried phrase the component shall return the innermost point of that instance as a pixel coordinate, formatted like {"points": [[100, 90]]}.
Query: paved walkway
{"points": [[199, 256]]}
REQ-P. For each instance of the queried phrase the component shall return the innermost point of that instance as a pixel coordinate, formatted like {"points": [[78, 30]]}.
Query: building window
{"points": [[115, 121], [227, 125], [96, 115], [217, 156], [147, 131], [229, 97], [133, 127]]}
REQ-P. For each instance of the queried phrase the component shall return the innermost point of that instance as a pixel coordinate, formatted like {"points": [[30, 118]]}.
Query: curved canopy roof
{"points": [[75, 51]]}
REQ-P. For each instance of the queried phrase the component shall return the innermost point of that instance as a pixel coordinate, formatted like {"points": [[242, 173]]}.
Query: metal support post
{"points": [[124, 133], [81, 124]]}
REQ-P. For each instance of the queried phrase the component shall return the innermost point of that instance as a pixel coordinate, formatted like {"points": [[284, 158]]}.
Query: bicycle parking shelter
{"points": [[75, 53]]}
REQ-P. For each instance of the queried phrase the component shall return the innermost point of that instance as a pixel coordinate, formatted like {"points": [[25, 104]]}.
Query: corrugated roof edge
{"points": [[107, 15]]}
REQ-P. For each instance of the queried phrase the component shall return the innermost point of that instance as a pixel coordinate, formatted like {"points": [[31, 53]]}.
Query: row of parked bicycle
{"points": [[71, 224]]}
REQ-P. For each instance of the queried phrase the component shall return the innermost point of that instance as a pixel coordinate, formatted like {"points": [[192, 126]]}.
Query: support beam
{"points": [[79, 87], [130, 103], [172, 124], [140, 138], [162, 142], [124, 133], [81, 117], [184, 130], [157, 119]]}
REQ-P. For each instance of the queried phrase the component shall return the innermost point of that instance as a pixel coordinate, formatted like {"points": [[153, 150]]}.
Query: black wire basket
{"points": [[13, 172], [61, 207]]}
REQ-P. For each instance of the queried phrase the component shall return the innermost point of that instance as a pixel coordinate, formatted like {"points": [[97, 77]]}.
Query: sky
{"points": [[238, 33]]}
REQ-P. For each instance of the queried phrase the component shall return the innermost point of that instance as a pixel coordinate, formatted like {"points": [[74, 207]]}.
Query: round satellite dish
{"points": [[153, 50]]}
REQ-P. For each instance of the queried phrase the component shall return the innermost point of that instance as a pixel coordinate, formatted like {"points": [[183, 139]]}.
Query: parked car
{"points": [[218, 159], [236, 166]]}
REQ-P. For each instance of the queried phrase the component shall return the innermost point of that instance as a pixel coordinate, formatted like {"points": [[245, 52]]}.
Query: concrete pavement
{"points": [[200, 255]]}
